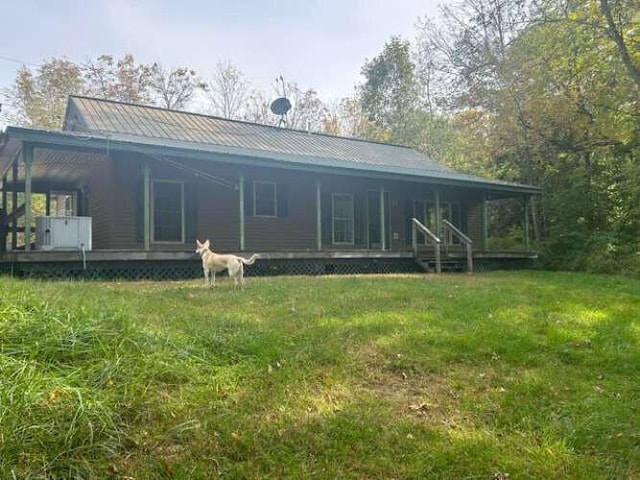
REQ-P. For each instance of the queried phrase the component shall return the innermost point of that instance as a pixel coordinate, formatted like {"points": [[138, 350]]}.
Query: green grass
{"points": [[530, 374]]}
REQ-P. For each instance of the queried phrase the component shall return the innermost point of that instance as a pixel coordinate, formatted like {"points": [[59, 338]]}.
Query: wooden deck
{"points": [[155, 264], [21, 256]]}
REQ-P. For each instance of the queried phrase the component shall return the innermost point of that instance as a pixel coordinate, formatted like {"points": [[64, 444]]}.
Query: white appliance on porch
{"points": [[63, 233]]}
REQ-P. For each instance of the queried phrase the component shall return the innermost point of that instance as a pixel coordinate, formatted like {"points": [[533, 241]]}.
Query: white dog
{"points": [[212, 263]]}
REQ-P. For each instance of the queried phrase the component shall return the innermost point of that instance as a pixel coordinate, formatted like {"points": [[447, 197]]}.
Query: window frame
{"points": [[152, 222], [274, 185], [335, 195]]}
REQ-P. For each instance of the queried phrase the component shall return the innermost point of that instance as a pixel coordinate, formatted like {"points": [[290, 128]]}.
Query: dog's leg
{"points": [[241, 275], [206, 276], [213, 278], [235, 270]]}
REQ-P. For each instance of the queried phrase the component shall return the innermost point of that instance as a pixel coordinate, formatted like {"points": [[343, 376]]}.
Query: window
{"points": [[168, 211], [342, 218], [63, 204], [265, 200]]}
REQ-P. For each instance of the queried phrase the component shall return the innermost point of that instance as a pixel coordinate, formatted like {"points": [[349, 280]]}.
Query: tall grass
{"points": [[529, 374]]}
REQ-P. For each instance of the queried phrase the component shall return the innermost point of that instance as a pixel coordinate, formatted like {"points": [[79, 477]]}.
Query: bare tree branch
{"points": [[616, 36], [175, 87]]}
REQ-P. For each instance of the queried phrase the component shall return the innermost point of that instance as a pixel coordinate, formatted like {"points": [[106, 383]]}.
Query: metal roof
{"points": [[138, 126], [104, 116]]}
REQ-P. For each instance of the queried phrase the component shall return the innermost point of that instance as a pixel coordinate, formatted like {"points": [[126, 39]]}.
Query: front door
{"points": [[425, 212], [373, 220]]}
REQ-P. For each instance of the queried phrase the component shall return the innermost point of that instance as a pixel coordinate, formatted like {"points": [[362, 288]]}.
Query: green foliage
{"points": [[40, 98], [389, 95], [546, 94], [522, 373]]}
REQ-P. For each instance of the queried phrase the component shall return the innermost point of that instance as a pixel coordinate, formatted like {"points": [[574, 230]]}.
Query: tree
{"points": [[626, 15], [228, 93], [561, 116], [257, 109], [389, 96], [307, 112], [353, 120], [123, 79], [39, 98], [543, 93], [174, 88], [468, 46]]}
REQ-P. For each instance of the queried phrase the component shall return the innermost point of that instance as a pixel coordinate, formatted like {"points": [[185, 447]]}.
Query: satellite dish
{"points": [[280, 106]]}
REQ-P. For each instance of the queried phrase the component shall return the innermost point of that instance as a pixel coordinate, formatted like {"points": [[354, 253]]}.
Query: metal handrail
{"points": [[464, 239], [416, 225]]}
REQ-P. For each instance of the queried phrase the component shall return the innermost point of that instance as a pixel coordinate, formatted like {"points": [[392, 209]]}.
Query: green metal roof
{"points": [[161, 130]]}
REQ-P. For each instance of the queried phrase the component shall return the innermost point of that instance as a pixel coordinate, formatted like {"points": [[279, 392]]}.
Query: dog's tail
{"points": [[250, 260]]}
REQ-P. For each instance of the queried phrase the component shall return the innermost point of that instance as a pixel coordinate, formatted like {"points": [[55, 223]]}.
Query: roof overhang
{"points": [[15, 137]]}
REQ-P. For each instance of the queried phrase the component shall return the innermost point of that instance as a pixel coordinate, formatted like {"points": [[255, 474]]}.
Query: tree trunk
{"points": [[616, 36]]}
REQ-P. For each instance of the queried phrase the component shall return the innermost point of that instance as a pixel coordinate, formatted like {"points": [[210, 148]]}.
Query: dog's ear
{"points": [[206, 243], [198, 243]]}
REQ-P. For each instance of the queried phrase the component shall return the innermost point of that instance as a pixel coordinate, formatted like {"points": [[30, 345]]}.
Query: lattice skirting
{"points": [[187, 269]]}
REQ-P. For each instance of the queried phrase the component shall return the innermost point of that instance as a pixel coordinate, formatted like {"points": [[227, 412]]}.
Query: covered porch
{"points": [[54, 174]]}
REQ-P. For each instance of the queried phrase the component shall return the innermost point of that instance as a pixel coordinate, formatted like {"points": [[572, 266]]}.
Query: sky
{"points": [[320, 44]]}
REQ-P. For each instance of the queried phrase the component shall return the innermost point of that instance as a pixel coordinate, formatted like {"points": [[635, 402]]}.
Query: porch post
{"points": [[438, 214], [5, 212], [241, 203], [47, 204], [318, 215], [382, 225], [147, 205], [79, 200], [526, 223], [14, 204], [27, 158], [4, 193], [485, 222]]}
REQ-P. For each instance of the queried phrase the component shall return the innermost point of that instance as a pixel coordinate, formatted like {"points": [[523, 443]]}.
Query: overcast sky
{"points": [[319, 44]]}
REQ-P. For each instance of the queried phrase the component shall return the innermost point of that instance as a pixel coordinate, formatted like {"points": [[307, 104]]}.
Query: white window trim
{"points": [[182, 213], [275, 198], [333, 218]]}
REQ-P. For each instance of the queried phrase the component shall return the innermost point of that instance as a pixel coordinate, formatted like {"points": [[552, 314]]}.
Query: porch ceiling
{"points": [[52, 167]]}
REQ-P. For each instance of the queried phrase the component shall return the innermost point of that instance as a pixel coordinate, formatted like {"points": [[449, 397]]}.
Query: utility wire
{"points": [[15, 60]]}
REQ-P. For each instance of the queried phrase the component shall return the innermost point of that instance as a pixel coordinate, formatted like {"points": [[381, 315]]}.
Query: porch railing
{"points": [[417, 226], [466, 241]]}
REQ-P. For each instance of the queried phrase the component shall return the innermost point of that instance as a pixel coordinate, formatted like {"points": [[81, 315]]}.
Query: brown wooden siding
{"points": [[99, 193], [115, 189], [474, 223], [127, 181], [218, 216], [296, 230]]}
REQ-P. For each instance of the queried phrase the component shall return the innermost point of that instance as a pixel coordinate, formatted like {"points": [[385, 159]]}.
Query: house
{"points": [[145, 182]]}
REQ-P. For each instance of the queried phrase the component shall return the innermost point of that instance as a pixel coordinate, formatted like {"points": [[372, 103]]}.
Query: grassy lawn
{"points": [[528, 375]]}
